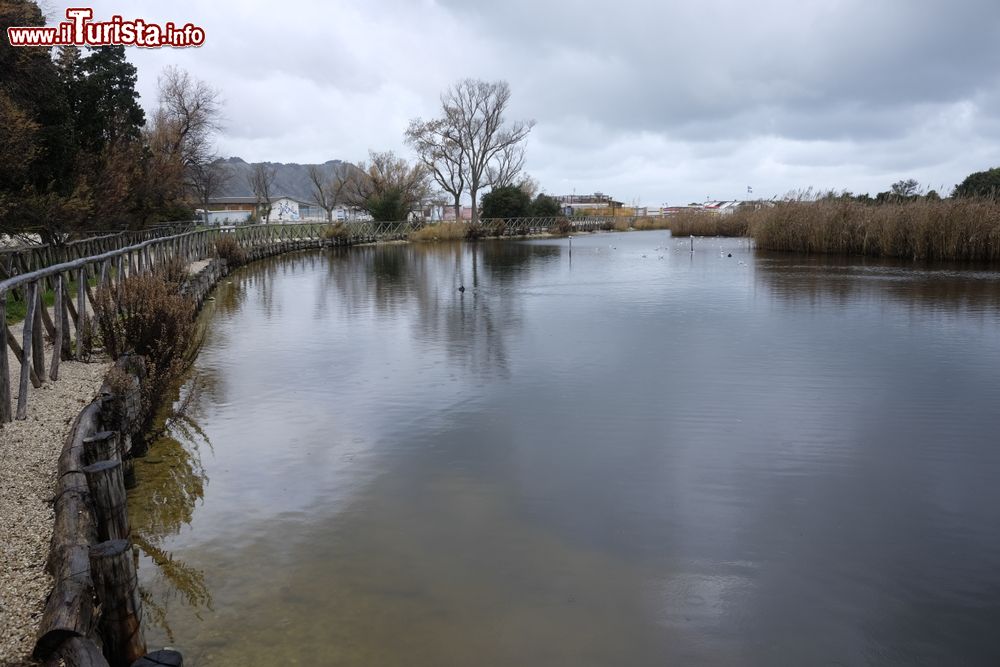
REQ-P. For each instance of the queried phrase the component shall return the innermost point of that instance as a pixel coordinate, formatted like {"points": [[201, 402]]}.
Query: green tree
{"points": [[37, 169], [980, 184], [905, 188], [102, 97], [506, 202], [545, 206]]}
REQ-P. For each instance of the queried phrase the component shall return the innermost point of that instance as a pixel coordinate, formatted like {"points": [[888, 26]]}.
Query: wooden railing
{"points": [[110, 268], [31, 257]]}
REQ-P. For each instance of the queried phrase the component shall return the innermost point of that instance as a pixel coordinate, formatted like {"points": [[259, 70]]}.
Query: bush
{"points": [[173, 271], [545, 206], [149, 317], [440, 231], [227, 247], [562, 227], [509, 201], [336, 231]]}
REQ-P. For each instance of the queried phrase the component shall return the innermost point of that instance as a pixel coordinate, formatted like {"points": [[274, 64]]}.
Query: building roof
{"points": [[253, 200]]}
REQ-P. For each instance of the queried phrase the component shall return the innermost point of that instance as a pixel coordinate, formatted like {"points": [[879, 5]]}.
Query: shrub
{"points": [[173, 271], [562, 227], [149, 317], [440, 231], [227, 247], [336, 231]]}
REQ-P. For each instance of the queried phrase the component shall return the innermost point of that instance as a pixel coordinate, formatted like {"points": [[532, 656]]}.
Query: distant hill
{"points": [[290, 179]]}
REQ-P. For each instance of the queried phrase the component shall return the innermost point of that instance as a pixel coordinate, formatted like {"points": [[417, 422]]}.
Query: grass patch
{"points": [[17, 308]]}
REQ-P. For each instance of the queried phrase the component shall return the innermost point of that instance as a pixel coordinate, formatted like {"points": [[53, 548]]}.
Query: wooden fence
{"points": [[107, 262]]}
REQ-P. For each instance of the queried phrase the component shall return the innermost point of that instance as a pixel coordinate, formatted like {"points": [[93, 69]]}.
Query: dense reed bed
{"points": [[701, 223], [950, 229]]}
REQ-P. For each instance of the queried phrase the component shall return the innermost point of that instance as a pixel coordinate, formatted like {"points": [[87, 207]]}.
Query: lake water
{"points": [[632, 455]]}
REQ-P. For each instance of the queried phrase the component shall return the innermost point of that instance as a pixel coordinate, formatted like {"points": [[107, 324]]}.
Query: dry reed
{"points": [[950, 229]]}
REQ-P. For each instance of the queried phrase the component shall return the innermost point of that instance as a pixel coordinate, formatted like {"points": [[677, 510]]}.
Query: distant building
{"points": [[238, 210], [595, 204]]}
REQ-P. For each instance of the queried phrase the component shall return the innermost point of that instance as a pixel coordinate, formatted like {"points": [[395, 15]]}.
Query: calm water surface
{"points": [[634, 455]]}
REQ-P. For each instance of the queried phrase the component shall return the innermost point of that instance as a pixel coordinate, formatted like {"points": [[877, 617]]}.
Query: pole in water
{"points": [[571, 245], [692, 244]]}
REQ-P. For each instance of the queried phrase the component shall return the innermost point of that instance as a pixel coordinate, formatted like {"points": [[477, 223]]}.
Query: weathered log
{"points": [[121, 608], [102, 446], [107, 491], [69, 611], [77, 652], [74, 522], [165, 658]]}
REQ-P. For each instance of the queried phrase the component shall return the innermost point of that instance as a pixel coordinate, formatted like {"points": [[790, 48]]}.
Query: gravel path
{"points": [[29, 453]]}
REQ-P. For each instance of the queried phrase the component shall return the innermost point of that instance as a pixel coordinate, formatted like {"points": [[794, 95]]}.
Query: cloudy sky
{"points": [[655, 102]]}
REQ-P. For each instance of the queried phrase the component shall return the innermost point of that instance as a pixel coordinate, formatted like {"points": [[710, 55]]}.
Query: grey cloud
{"points": [[659, 100]]}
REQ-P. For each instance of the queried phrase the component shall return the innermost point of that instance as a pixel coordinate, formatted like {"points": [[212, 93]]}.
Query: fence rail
{"points": [[109, 262]]}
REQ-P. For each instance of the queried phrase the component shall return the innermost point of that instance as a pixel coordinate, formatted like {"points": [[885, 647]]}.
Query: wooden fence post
{"points": [[107, 489], [81, 311], [102, 446], [26, 368], [117, 587], [67, 303], [57, 336], [37, 333], [5, 414]]}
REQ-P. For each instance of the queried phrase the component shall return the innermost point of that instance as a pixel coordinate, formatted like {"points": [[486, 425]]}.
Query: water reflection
{"points": [[823, 281], [649, 456], [173, 482]]}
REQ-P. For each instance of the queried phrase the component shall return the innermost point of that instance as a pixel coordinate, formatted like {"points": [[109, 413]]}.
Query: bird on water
{"points": [[461, 288]]}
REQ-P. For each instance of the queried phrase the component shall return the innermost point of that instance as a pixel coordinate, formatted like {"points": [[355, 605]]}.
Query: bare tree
{"points": [[261, 181], [387, 186], [506, 166], [529, 185], [442, 157], [206, 179], [329, 189], [189, 114], [475, 123]]}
